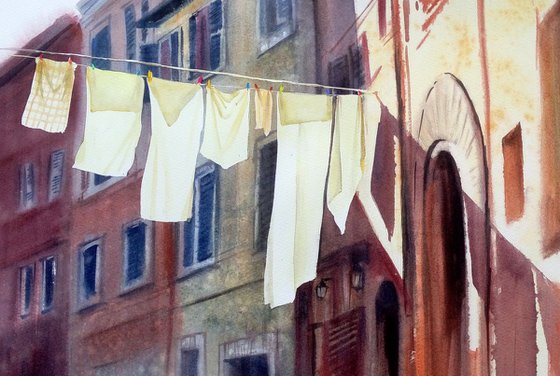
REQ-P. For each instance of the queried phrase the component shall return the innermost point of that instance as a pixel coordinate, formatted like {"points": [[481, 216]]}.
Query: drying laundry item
{"points": [[48, 104], [226, 130], [347, 157], [177, 118], [263, 110], [113, 122], [304, 136]]}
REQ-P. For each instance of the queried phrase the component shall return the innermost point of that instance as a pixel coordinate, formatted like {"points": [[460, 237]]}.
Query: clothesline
{"points": [[195, 70]]}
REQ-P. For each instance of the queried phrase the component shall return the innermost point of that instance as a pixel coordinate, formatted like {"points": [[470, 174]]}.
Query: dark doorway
{"points": [[388, 329], [444, 270], [256, 365]]}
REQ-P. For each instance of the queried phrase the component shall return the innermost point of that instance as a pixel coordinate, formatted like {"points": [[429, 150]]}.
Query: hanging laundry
{"points": [[263, 110], [226, 130], [113, 122], [304, 135], [177, 117], [48, 104], [347, 157]]}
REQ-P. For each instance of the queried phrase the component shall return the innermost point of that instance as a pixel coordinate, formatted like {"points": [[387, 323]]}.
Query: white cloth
{"points": [[226, 129], [263, 110], [346, 164], [304, 135], [113, 122], [48, 104], [167, 184]]}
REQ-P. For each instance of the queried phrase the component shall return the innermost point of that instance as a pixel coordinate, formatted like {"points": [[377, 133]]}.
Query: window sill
{"points": [[185, 273], [135, 288], [87, 306]]}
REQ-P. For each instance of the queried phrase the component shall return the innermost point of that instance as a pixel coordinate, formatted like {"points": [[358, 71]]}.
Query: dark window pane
{"points": [[48, 287], [188, 251], [101, 47], [136, 255], [27, 287], [215, 16], [206, 216], [100, 179], [267, 174], [189, 363], [283, 11], [256, 365], [175, 55], [192, 44], [89, 270], [130, 25]]}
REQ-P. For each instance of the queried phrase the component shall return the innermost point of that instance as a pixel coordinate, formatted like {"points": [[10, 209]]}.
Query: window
{"points": [[169, 54], [101, 47], [276, 22], [89, 265], [196, 240], [514, 193], [48, 283], [130, 26], [55, 174], [206, 37], [27, 185], [266, 171], [259, 361], [137, 248], [192, 355], [26, 289], [348, 70]]}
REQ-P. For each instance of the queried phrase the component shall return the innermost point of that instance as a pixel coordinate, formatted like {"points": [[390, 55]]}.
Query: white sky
{"points": [[21, 20]]}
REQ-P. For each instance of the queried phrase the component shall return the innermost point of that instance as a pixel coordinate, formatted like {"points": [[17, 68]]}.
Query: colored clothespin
{"points": [[328, 91], [199, 81], [150, 75], [270, 89], [41, 56], [248, 86], [92, 66], [256, 86], [209, 84], [70, 60], [281, 89], [359, 93]]}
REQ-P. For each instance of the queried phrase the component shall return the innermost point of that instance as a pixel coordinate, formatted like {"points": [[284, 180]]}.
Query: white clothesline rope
{"points": [[202, 71]]}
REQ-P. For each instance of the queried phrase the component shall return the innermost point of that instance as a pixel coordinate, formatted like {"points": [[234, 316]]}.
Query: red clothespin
{"points": [[41, 56], [256, 86], [270, 88], [70, 60], [199, 81]]}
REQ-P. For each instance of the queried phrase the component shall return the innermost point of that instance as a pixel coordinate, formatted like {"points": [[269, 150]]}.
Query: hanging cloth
{"points": [[177, 111], [347, 157], [263, 110], [304, 136], [226, 130], [48, 104], [113, 122]]}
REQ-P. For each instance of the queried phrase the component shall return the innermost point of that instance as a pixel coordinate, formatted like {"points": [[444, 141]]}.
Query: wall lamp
{"points": [[321, 288], [357, 277]]}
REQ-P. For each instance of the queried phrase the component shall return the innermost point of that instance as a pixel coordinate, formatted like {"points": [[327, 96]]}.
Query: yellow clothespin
{"points": [[150, 75], [281, 88], [209, 84]]}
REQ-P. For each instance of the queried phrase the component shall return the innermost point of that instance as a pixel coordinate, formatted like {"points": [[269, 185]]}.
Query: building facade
{"points": [[35, 219]]}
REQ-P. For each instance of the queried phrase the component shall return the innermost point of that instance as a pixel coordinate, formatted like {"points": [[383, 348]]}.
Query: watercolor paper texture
{"points": [[450, 255]]}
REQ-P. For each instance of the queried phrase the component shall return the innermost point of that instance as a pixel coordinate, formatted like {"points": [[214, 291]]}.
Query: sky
{"points": [[21, 20]]}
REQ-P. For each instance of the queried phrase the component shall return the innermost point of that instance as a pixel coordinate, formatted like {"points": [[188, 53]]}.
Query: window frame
{"points": [[271, 138], [26, 302], [191, 342], [83, 301], [183, 271], [44, 306], [94, 34], [176, 74], [92, 188], [261, 344], [269, 39], [127, 286]]}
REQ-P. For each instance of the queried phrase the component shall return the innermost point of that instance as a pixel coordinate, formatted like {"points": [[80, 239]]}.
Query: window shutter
{"points": [[175, 55], [339, 73], [101, 47], [207, 189], [48, 282], [192, 44], [56, 171], [267, 174], [148, 53], [357, 66], [90, 271], [130, 26], [215, 18], [189, 362], [344, 339], [136, 244], [283, 12], [188, 248], [27, 185]]}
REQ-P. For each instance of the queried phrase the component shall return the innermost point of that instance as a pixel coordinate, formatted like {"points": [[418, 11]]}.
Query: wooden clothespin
{"points": [[150, 76]]}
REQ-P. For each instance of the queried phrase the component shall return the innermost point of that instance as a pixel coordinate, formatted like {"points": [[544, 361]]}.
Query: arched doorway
{"points": [[388, 329], [450, 216], [444, 270]]}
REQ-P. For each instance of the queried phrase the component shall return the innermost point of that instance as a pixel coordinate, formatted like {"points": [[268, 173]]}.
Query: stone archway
{"points": [[451, 259]]}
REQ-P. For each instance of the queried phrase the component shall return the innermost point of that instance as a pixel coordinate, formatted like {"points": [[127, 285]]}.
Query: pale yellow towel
{"points": [[263, 110], [111, 134], [48, 104], [345, 169], [301, 172], [226, 129], [167, 184]]}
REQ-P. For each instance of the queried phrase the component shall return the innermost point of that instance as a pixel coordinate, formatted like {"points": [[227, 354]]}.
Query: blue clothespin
{"points": [[328, 91], [92, 66], [248, 86]]}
